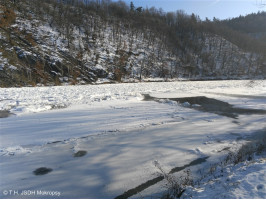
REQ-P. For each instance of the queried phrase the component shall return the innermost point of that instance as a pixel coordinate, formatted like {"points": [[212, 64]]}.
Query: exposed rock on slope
{"points": [[39, 47]]}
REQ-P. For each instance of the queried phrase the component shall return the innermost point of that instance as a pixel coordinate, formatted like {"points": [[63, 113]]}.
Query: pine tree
{"points": [[132, 7]]}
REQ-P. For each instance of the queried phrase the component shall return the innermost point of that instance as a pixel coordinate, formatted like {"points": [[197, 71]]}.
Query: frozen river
{"points": [[101, 141]]}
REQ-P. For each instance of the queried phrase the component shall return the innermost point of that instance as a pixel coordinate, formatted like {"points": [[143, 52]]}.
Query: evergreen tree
{"points": [[132, 7]]}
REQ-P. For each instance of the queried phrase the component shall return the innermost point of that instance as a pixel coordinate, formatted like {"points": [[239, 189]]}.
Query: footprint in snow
{"points": [[42, 171], [260, 187], [80, 153]]}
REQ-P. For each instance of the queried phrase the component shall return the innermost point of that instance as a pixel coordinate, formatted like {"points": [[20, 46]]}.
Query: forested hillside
{"points": [[252, 23], [251, 30], [80, 42]]}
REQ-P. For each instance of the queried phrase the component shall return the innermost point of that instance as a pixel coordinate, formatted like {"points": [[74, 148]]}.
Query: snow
{"points": [[25, 100], [242, 181], [123, 136], [101, 54]]}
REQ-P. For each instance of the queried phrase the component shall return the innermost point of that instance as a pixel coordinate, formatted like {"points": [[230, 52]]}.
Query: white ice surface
{"points": [[122, 135], [27, 100]]}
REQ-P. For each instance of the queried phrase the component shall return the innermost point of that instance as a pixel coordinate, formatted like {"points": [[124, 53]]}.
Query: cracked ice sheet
{"points": [[83, 120], [124, 139], [25, 100]]}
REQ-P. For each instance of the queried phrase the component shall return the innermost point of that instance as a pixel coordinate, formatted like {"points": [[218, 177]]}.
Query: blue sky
{"points": [[221, 9]]}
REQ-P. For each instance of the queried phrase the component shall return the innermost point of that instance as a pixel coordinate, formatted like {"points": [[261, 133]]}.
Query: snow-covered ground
{"points": [[245, 180], [102, 140]]}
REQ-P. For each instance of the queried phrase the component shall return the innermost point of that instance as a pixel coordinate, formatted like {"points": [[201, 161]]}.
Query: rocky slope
{"points": [[37, 48]]}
